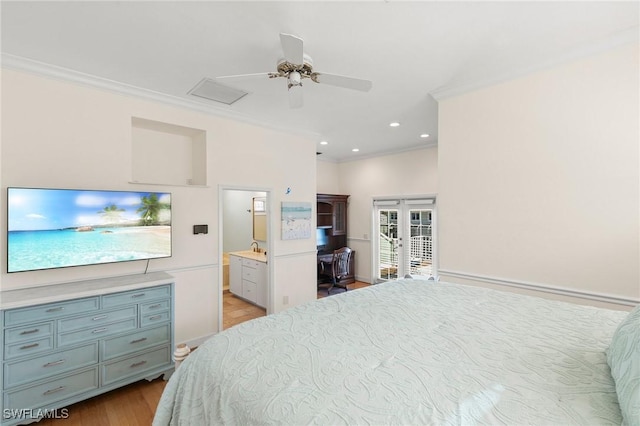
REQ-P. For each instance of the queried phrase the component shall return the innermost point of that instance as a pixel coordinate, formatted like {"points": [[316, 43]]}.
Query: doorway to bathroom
{"points": [[244, 253]]}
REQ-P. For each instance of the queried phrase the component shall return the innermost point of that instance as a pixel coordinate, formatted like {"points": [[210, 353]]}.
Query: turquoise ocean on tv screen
{"points": [[32, 250]]}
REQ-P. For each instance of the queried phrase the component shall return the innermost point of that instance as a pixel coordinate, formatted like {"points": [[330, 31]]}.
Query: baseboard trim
{"points": [[194, 343], [562, 291], [363, 279]]}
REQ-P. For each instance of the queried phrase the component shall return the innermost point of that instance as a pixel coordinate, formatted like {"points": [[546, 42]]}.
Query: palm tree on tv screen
{"points": [[111, 213], [150, 209]]}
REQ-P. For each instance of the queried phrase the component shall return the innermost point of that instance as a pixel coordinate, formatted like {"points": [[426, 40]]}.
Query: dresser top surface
{"points": [[54, 293]]}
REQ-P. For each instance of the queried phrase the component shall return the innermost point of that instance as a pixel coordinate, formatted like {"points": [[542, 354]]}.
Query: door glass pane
{"points": [[421, 254], [388, 243]]}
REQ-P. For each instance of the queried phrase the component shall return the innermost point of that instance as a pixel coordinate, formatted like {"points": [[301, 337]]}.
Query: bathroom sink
{"points": [[250, 254]]}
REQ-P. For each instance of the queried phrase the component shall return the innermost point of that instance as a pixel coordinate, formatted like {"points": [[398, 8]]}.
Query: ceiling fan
{"points": [[297, 66]]}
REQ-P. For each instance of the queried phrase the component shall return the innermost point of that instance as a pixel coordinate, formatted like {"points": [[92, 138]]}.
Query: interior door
{"points": [[404, 238]]}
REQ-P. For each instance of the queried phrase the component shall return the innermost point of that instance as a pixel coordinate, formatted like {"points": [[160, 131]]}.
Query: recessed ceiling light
{"points": [[355, 150], [424, 135], [394, 124], [324, 143]]}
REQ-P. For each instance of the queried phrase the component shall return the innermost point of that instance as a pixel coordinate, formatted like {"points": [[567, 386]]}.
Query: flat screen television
{"points": [[58, 228]]}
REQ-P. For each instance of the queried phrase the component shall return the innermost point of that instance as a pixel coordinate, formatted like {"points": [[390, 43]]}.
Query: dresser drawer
{"points": [[20, 372], [152, 307], [51, 310], [152, 319], [96, 332], [96, 318], [137, 364], [28, 347], [52, 391], [124, 345], [29, 332], [136, 296]]}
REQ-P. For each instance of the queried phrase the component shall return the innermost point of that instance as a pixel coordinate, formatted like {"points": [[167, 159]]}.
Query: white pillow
{"points": [[623, 357]]}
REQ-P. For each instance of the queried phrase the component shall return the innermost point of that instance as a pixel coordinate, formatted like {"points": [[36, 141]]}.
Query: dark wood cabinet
{"points": [[332, 219], [332, 213], [340, 217], [325, 215]]}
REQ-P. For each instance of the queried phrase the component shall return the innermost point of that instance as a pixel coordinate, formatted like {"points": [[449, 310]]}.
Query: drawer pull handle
{"points": [[137, 295], [35, 330], [142, 339], [54, 363], [100, 317], [137, 364], [58, 389], [56, 309], [33, 345], [155, 317], [156, 306], [99, 330]]}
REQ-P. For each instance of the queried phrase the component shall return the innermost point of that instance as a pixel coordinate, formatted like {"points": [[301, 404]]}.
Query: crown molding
{"points": [[18, 63], [329, 159], [621, 38], [431, 144]]}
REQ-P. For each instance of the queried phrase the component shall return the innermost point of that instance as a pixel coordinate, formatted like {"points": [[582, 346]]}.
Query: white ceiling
{"points": [[412, 51]]}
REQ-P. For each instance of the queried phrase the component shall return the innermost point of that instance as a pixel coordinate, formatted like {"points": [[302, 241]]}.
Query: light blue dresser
{"points": [[68, 342]]}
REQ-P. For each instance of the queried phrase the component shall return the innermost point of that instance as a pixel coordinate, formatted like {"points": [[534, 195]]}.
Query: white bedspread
{"points": [[405, 352]]}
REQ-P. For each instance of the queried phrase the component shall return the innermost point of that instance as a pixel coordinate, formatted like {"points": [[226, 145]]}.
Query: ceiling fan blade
{"points": [[241, 77], [342, 81], [292, 48], [295, 96]]}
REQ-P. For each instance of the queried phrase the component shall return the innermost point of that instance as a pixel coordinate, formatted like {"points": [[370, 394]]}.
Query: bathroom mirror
{"points": [[259, 219]]}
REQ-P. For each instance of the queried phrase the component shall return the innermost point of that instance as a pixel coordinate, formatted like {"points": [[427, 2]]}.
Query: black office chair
{"points": [[337, 269]]}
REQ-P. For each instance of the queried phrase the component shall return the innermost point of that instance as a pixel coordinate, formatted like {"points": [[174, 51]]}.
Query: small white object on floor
{"points": [[181, 352]]}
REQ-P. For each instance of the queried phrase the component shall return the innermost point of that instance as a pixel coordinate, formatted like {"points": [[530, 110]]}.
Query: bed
{"points": [[411, 352]]}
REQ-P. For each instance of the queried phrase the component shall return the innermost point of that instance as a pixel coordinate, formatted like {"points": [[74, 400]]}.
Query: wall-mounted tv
{"points": [[58, 228]]}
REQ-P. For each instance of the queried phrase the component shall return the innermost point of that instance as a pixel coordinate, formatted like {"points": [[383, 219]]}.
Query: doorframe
{"points": [[268, 191], [374, 231]]}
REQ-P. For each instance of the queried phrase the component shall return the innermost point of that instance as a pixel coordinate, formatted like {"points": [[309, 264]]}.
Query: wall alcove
{"points": [[167, 154]]}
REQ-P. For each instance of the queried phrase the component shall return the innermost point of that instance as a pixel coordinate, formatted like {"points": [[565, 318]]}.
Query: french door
{"points": [[404, 238]]}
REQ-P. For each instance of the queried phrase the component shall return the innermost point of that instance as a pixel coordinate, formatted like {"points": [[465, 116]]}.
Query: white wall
{"points": [[328, 181], [538, 179], [404, 174], [62, 135]]}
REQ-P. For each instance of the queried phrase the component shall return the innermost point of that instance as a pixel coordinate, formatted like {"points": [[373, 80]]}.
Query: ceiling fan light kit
{"points": [[294, 79], [296, 66]]}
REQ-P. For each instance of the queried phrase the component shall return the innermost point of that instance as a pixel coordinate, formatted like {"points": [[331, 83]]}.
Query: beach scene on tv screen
{"points": [[57, 228]]}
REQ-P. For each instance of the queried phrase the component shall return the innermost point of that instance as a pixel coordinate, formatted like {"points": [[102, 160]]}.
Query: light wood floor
{"points": [[236, 310], [135, 404], [322, 292]]}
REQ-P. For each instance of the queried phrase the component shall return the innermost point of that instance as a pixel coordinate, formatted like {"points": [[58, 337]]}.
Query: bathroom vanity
{"points": [[248, 276]]}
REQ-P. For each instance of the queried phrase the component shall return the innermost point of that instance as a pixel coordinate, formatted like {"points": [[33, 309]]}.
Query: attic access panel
{"points": [[214, 91]]}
